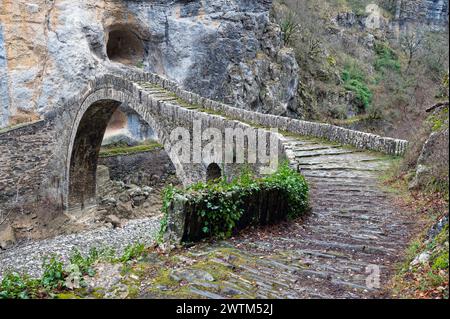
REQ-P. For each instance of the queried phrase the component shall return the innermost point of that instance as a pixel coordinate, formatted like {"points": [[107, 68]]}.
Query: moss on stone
{"points": [[441, 261], [67, 295], [128, 150]]}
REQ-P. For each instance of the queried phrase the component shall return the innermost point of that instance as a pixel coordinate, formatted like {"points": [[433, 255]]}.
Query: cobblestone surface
{"points": [[346, 248], [353, 231]]}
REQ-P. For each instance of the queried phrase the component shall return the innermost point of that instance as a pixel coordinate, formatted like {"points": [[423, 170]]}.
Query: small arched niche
{"points": [[125, 46], [213, 172]]}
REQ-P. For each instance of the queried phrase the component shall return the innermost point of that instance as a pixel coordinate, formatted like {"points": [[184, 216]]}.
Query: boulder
{"points": [[434, 155], [114, 220], [191, 276], [7, 236]]}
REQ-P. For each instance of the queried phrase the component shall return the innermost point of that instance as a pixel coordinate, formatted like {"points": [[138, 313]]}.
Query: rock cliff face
{"points": [[405, 13], [226, 50], [433, 12]]}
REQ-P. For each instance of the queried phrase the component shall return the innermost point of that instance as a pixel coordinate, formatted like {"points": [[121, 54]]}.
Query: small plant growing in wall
{"points": [[140, 65]]}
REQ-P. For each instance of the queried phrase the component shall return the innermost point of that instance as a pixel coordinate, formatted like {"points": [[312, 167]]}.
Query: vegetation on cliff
{"points": [[360, 68], [422, 181], [365, 68]]}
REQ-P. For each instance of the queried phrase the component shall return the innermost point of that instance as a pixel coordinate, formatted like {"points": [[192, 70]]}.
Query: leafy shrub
{"points": [[132, 252], [15, 286], [441, 262], [386, 59], [58, 278], [294, 185], [222, 202], [354, 80], [53, 277], [85, 264], [361, 90]]}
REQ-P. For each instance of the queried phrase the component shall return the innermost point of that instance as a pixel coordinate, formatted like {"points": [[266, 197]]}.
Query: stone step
{"points": [[349, 247], [313, 147], [308, 154], [352, 225]]}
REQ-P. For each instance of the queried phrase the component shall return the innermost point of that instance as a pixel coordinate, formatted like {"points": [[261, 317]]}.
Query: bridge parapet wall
{"points": [[34, 158], [358, 139], [38, 155]]}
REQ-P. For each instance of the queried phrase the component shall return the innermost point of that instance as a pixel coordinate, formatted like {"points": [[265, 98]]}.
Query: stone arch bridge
{"points": [[53, 162]]}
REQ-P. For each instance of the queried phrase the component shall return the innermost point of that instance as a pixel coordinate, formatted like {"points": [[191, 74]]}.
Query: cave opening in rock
{"points": [[124, 46]]}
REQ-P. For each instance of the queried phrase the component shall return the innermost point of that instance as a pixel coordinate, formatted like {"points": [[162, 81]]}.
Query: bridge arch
{"points": [[213, 172], [83, 121], [86, 137]]}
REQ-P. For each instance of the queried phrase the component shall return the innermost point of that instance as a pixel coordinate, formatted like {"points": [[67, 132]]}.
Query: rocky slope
{"points": [[370, 65], [227, 50]]}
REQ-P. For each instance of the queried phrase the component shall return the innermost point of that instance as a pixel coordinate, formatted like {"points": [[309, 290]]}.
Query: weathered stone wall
{"points": [[142, 169], [25, 154], [267, 206]]}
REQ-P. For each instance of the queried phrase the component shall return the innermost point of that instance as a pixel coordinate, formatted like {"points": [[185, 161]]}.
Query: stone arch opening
{"points": [[213, 172], [125, 46], [124, 177], [128, 126], [85, 152]]}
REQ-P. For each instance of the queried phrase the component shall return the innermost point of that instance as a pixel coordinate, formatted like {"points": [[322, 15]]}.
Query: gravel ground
{"points": [[27, 258]]}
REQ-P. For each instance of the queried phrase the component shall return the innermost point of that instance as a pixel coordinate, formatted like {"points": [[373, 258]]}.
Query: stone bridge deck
{"points": [[353, 228], [353, 231]]}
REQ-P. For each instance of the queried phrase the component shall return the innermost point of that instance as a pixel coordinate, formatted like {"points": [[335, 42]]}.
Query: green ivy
{"points": [[53, 277], [168, 194], [15, 286], [222, 201], [294, 185]]}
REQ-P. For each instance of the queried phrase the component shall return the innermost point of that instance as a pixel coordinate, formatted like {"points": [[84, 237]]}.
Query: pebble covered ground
{"points": [[27, 258]]}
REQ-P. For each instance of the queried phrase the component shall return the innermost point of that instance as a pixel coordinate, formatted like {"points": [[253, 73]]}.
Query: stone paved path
{"points": [[354, 230]]}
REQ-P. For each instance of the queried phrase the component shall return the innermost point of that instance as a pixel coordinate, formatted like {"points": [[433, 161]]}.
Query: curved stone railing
{"points": [[35, 156], [358, 139]]}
